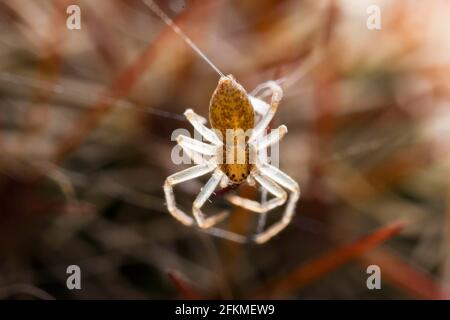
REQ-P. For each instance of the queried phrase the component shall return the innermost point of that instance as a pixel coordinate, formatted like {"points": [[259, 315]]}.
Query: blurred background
{"points": [[86, 122]]}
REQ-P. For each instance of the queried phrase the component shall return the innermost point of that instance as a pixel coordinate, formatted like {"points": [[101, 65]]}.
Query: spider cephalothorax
{"points": [[235, 154]]}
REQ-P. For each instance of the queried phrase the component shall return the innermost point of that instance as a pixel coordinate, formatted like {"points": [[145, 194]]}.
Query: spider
{"points": [[232, 108]]}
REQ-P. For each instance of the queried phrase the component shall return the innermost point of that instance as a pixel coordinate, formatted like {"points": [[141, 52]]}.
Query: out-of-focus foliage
{"points": [[86, 118]]}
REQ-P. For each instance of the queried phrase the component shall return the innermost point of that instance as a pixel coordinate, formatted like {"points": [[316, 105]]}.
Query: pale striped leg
{"points": [[196, 157], [268, 86], [277, 95], [198, 123], [287, 182], [204, 194], [224, 182], [197, 150], [261, 107], [255, 206], [273, 137], [262, 218], [184, 175], [225, 234], [197, 146]]}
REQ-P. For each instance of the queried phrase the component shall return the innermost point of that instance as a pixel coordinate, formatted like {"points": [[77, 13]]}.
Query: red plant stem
{"points": [[315, 269]]}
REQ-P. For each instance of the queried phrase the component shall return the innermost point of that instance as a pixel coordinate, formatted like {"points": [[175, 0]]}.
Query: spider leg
{"points": [[225, 234], [260, 145], [261, 90], [197, 151], [204, 194], [184, 175], [263, 108], [198, 122], [255, 206], [262, 219], [196, 157], [197, 146], [273, 137], [224, 182], [287, 182]]}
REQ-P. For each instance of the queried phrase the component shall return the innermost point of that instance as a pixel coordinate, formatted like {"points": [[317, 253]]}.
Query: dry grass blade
{"points": [[309, 272], [89, 102], [118, 89], [404, 276], [184, 288]]}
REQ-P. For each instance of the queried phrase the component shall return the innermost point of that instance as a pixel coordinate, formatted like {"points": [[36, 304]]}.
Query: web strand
{"points": [[82, 96], [164, 17]]}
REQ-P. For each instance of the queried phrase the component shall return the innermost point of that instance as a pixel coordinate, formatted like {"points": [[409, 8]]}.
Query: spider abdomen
{"points": [[231, 113], [236, 163]]}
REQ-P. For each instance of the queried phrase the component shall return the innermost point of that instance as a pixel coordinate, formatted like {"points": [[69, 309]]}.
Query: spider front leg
{"points": [[267, 111], [207, 190], [273, 137], [198, 123], [287, 182], [194, 149], [184, 175], [204, 194]]}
